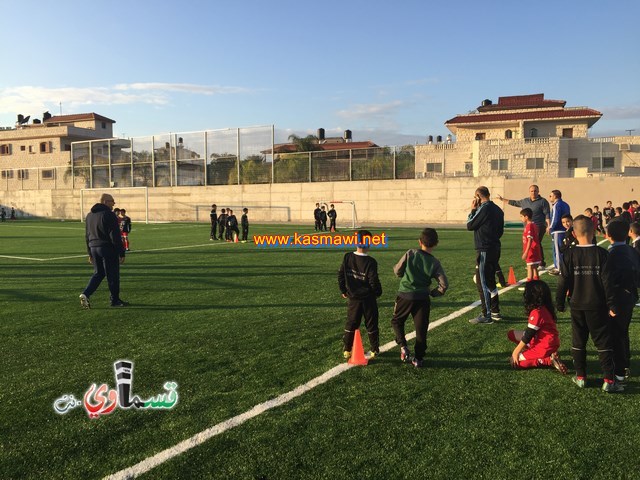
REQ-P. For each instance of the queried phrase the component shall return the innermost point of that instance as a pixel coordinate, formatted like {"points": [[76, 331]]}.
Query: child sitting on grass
{"points": [[538, 344]]}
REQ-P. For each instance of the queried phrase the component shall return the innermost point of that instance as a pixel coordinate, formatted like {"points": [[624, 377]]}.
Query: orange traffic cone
{"points": [[357, 351], [235, 238], [512, 277]]}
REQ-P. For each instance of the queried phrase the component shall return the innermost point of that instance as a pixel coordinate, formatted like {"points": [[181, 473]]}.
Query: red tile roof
{"points": [[586, 113], [78, 117], [291, 148]]}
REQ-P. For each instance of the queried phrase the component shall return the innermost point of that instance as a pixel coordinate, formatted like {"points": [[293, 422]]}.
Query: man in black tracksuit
{"points": [[487, 222], [359, 283], [106, 252], [222, 223]]}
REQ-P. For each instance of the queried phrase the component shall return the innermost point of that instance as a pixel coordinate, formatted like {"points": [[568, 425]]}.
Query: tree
{"points": [[304, 144]]}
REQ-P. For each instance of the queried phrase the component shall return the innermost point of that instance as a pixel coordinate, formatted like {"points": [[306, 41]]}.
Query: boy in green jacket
{"points": [[416, 268]]}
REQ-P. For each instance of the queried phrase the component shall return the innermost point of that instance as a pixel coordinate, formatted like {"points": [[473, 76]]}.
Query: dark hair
{"points": [[362, 235], [483, 192], [526, 212], [214, 206], [122, 210], [557, 193], [429, 237], [635, 228], [245, 209], [537, 294], [582, 225], [588, 210], [567, 215], [618, 230], [626, 205], [223, 210]]}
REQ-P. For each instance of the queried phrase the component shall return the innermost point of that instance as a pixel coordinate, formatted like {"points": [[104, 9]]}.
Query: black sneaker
{"points": [[417, 363], [120, 303]]}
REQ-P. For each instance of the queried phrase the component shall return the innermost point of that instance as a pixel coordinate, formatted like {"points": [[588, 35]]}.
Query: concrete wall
{"points": [[415, 201]]}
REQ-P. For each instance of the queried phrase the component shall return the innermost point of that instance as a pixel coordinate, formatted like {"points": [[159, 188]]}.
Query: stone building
{"points": [[42, 147], [527, 136]]}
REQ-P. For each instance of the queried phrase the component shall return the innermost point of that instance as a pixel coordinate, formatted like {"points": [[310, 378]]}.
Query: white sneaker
{"points": [[84, 301]]}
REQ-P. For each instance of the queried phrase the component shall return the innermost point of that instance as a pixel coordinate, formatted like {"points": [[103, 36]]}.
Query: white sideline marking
{"points": [[199, 438], [128, 253]]}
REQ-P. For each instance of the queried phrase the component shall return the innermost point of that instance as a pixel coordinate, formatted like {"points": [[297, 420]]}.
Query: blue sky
{"points": [[392, 72]]}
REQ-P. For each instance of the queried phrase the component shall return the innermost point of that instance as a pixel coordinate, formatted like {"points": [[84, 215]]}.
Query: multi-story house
{"points": [[527, 136]]}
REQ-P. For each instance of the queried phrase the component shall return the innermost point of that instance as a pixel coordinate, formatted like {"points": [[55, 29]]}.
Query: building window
{"points": [[7, 174], [481, 136], [572, 163], [48, 174], [534, 133], [104, 125], [22, 148], [500, 164], [508, 134], [567, 133], [5, 149], [45, 147], [434, 167], [23, 174], [468, 167], [607, 162], [67, 148], [535, 163], [30, 148]]}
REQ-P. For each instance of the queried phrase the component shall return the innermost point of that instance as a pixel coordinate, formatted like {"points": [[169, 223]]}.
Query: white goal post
{"points": [[350, 205], [135, 200]]}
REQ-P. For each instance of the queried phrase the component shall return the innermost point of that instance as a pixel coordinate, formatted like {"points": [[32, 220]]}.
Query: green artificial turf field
{"points": [[234, 325]]}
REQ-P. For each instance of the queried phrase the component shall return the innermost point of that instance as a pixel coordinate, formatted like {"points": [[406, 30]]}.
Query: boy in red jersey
{"points": [[530, 244], [538, 344], [125, 227]]}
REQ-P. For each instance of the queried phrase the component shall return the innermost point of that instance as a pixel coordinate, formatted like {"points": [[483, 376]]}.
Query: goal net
{"points": [[346, 210], [135, 200]]}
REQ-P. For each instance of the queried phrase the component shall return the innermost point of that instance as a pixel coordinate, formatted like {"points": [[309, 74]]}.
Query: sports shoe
{"points": [[120, 303], [613, 387], [371, 355], [495, 316], [627, 373], [553, 271], [579, 381], [557, 363], [482, 320], [499, 284], [346, 354], [417, 363], [405, 355], [84, 301]]}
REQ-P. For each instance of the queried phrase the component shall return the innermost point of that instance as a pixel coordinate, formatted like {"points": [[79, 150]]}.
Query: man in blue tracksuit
{"points": [[487, 222], [559, 208]]}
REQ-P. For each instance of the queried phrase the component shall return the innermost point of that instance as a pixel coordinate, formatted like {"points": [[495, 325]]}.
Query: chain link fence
{"points": [[214, 157]]}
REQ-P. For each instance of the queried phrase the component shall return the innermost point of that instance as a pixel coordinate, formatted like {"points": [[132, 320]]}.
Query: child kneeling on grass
{"points": [[416, 268], [538, 344], [359, 284]]}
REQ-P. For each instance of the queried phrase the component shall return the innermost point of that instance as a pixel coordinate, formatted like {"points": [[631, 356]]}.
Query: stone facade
{"points": [[543, 140]]}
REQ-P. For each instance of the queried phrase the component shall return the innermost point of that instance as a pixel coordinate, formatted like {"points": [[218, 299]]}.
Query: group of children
{"points": [[226, 224], [602, 287], [320, 216], [124, 222], [359, 284]]}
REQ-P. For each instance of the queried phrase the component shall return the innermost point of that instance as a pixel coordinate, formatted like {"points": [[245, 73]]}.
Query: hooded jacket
{"points": [[102, 229]]}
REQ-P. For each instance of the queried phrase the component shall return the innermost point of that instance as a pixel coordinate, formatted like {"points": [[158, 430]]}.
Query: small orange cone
{"points": [[357, 351], [235, 238], [512, 277]]}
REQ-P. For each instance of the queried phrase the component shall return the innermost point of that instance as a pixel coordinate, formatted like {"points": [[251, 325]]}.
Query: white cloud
{"points": [[32, 99], [368, 110], [621, 113]]}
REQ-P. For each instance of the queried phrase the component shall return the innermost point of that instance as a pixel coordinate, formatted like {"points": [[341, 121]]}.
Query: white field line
{"points": [[129, 253], [199, 438]]}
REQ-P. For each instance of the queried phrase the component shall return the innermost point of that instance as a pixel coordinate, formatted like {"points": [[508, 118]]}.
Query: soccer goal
{"points": [[346, 209], [135, 200]]}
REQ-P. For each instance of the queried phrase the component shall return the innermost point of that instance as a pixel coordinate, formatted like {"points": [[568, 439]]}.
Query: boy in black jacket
{"points": [[580, 278], [620, 279], [222, 223], [487, 222], [244, 221], [359, 284], [416, 268]]}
